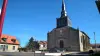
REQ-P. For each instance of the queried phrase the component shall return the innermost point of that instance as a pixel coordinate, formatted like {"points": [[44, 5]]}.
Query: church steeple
{"points": [[63, 12], [64, 19]]}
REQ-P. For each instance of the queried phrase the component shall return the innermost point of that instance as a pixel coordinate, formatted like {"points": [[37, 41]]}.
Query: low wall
{"points": [[52, 54]]}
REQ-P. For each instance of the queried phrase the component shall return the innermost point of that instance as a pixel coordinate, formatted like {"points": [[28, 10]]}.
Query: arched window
{"points": [[81, 39]]}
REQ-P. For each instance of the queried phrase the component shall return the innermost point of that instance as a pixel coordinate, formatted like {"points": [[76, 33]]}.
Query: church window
{"points": [[82, 39], [60, 31]]}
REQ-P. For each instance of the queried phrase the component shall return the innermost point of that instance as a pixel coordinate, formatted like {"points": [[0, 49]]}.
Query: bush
{"points": [[22, 49], [91, 51]]}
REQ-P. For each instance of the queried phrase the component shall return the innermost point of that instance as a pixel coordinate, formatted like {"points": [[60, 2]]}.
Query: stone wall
{"points": [[74, 39], [69, 36]]}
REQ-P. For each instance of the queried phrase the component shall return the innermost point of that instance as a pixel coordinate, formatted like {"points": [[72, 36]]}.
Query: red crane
{"points": [[3, 12]]}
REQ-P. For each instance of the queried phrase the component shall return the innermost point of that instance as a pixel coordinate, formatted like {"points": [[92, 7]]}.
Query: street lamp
{"points": [[95, 42]]}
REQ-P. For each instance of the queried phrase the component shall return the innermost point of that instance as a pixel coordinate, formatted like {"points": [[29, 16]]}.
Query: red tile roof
{"points": [[9, 39], [43, 42]]}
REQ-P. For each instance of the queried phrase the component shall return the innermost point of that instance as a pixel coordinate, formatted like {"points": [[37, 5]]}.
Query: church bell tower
{"points": [[63, 20]]}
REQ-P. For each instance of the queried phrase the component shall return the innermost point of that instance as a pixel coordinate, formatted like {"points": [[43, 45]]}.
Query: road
{"points": [[19, 54], [38, 54], [32, 54]]}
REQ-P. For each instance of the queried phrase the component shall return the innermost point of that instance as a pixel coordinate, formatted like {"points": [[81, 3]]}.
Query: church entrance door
{"points": [[61, 44]]}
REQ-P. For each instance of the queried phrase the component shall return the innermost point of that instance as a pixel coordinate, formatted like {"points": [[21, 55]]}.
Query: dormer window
{"points": [[13, 40], [4, 39]]}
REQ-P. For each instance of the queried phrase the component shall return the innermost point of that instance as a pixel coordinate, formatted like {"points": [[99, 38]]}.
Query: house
{"points": [[43, 45], [97, 45], [9, 43]]}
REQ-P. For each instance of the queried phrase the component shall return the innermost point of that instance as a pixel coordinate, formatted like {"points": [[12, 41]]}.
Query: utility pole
{"points": [[95, 42]]}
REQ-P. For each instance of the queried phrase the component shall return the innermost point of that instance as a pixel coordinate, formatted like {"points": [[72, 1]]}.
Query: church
{"points": [[66, 38]]}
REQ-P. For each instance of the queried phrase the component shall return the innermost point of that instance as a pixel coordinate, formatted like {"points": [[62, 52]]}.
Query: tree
{"points": [[36, 45], [30, 45]]}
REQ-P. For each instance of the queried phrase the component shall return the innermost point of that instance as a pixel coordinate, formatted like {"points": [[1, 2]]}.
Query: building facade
{"points": [[43, 45], [9, 43], [66, 38]]}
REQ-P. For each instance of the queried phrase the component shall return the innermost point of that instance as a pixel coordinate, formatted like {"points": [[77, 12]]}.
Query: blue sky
{"points": [[27, 18]]}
